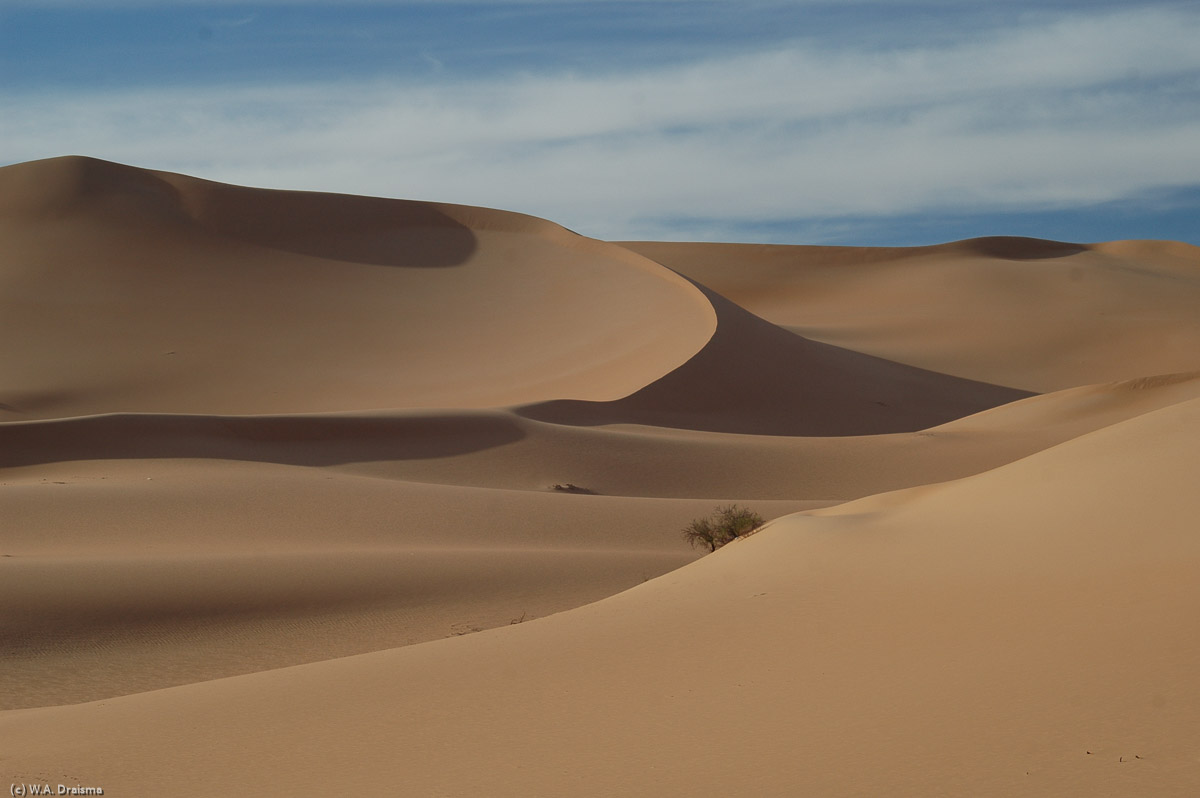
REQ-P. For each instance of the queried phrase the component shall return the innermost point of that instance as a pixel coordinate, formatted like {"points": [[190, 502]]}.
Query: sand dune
{"points": [[212, 319], [1030, 314], [501, 449], [754, 377], [306, 492], [948, 641]]}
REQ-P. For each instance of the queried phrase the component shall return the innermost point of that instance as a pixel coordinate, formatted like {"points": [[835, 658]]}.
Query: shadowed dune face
{"points": [[1016, 248], [292, 440], [753, 377], [252, 434]]}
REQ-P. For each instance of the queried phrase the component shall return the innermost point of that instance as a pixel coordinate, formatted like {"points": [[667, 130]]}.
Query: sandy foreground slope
{"points": [[277, 502], [945, 640]]}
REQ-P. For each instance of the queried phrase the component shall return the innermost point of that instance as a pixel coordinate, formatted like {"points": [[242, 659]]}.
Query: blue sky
{"points": [[792, 122]]}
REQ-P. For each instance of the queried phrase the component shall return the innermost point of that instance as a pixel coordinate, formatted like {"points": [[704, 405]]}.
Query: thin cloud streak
{"points": [[1075, 110]]}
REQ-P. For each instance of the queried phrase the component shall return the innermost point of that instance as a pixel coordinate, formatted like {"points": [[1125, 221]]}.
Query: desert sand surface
{"points": [[303, 493]]}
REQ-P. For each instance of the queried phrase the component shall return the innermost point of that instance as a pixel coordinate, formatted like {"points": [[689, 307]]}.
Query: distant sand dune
{"points": [[1031, 314], [278, 504]]}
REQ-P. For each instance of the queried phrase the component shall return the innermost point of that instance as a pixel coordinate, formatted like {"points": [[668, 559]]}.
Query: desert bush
{"points": [[721, 526]]}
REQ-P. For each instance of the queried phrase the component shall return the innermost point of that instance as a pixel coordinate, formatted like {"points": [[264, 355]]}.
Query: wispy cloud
{"points": [[235, 22], [1076, 109]]}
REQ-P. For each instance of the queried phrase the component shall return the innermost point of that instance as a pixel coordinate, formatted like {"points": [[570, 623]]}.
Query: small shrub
{"points": [[722, 526], [571, 487]]}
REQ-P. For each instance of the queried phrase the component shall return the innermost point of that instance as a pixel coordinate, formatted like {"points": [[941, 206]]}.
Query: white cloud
{"points": [[1078, 109]]}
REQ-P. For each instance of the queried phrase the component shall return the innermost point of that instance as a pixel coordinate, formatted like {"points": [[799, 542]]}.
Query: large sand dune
{"points": [[305, 492], [127, 290]]}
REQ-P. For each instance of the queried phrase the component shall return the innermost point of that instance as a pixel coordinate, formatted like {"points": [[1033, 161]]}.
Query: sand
{"points": [[303, 493]]}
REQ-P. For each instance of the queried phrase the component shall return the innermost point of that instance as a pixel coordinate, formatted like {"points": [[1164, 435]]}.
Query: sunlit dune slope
{"points": [[1031, 314], [949, 639], [128, 290]]}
